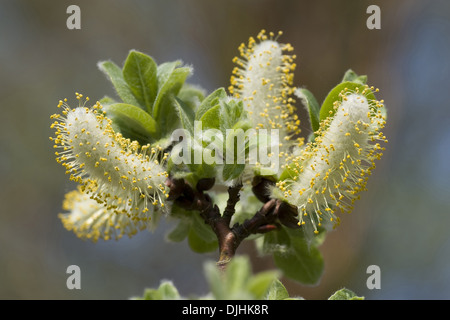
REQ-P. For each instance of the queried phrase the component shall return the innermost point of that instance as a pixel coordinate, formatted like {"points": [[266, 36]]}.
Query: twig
{"points": [[229, 238], [233, 198]]}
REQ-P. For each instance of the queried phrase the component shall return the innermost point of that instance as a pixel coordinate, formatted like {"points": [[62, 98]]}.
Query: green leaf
{"points": [[237, 282], [351, 76], [202, 229], [186, 115], [139, 71], [289, 172], [211, 118], [133, 121], [164, 70], [312, 106], [215, 280], [235, 152], [232, 116], [151, 294], [198, 244], [209, 102], [200, 236], [199, 170], [115, 75], [231, 113], [327, 108], [277, 291], [232, 171], [106, 101], [319, 238], [276, 241], [180, 232], [345, 294], [164, 107], [301, 262], [168, 291], [165, 291], [238, 273], [192, 95], [259, 284]]}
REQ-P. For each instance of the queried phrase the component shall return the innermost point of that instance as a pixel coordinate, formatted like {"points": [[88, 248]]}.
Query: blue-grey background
{"points": [[401, 224]]}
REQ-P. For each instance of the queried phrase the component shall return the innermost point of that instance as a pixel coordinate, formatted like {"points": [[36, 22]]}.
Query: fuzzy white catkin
{"points": [[114, 162], [91, 220], [334, 169], [263, 80], [125, 178]]}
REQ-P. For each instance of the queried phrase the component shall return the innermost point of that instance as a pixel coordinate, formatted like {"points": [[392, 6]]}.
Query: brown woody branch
{"points": [[229, 238]]}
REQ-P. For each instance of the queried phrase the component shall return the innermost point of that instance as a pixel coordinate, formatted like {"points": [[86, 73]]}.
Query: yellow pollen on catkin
{"points": [[106, 164], [263, 79], [337, 163], [91, 220]]}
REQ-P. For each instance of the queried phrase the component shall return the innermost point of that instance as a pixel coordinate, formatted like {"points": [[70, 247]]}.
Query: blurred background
{"points": [[400, 224]]}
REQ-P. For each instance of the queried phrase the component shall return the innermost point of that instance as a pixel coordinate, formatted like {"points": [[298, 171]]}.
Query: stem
{"points": [[233, 198], [229, 238]]}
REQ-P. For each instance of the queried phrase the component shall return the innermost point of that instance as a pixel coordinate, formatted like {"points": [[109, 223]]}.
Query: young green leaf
{"points": [[115, 75], [312, 106], [231, 113], [107, 101], [191, 95], [232, 116], [237, 282], [164, 107], [235, 153], [197, 169], [180, 232], [211, 118], [259, 284], [345, 294], [215, 280], [164, 70], [165, 291], [204, 170], [327, 108], [301, 262], [238, 272], [210, 102], [151, 294], [288, 172], [201, 229], [200, 236], [139, 71], [277, 291], [232, 171], [276, 241], [168, 291], [186, 115], [351, 76], [133, 120], [198, 244]]}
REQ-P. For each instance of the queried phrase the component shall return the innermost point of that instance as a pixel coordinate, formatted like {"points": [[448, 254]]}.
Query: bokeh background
{"points": [[401, 224]]}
